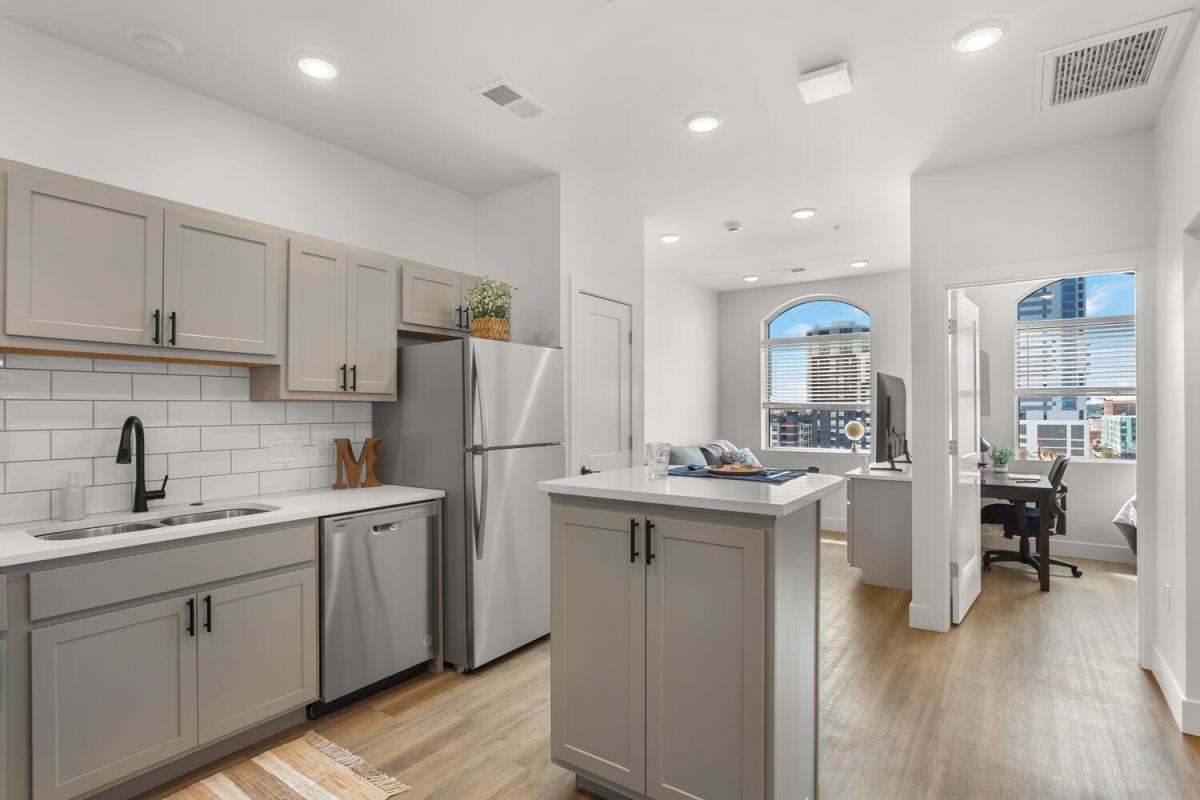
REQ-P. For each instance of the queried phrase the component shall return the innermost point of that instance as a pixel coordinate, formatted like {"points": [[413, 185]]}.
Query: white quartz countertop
{"points": [[633, 485], [863, 473], [19, 548]]}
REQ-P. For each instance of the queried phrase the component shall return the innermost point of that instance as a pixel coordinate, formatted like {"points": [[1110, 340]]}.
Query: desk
{"points": [[1041, 494], [879, 525]]}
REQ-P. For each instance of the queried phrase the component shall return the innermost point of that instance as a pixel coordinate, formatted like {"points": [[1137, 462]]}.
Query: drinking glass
{"points": [[658, 455]]}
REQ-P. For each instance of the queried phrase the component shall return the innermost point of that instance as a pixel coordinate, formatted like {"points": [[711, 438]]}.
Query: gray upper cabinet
{"points": [[83, 262], [371, 321], [434, 297], [257, 652], [316, 358], [220, 285], [135, 669]]}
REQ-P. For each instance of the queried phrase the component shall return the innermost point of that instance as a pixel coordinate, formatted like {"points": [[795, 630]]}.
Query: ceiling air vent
{"points": [[1135, 57], [512, 99]]}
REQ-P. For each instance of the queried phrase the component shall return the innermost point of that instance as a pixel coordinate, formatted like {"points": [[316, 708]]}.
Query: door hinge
{"points": [[951, 325], [953, 569], [631, 337], [630, 441], [952, 448]]}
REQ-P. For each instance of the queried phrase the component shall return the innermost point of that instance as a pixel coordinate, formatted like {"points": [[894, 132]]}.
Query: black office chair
{"points": [[1006, 514]]}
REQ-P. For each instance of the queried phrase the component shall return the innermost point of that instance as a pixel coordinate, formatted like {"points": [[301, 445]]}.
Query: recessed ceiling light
{"points": [[152, 40], [703, 122], [859, 264], [804, 213], [315, 66], [669, 238], [750, 278], [979, 36]]}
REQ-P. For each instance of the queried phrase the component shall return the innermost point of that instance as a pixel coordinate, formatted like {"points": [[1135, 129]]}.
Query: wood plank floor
{"points": [[1035, 696]]}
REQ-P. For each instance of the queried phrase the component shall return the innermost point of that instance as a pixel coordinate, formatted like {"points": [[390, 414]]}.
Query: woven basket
{"points": [[490, 328]]}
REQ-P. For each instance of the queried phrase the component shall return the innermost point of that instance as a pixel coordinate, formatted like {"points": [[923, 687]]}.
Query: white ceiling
{"points": [[620, 76]]}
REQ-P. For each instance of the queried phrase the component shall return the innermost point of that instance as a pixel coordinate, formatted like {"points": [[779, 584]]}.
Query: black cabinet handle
{"points": [[208, 613], [157, 326], [649, 542], [343, 369], [354, 378], [174, 327], [191, 626], [633, 553], [466, 319], [458, 312]]}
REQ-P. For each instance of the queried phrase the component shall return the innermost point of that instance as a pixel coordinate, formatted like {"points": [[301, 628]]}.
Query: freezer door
{"points": [[510, 520], [517, 394]]}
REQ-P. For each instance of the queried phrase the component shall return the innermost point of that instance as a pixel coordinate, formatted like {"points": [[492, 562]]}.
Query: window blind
{"points": [[832, 370], [1077, 356]]}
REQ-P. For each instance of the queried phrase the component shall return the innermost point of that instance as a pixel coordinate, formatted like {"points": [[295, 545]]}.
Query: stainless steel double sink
{"points": [[163, 522]]}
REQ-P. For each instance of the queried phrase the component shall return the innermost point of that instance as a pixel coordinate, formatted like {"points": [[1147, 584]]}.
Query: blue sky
{"points": [[1111, 295], [799, 320]]}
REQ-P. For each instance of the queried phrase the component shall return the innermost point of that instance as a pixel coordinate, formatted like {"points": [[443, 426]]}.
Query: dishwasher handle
{"points": [[382, 521]]}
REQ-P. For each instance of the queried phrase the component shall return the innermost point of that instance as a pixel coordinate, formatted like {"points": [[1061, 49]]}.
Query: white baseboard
{"points": [[832, 523], [1064, 548], [1186, 712], [922, 617]]}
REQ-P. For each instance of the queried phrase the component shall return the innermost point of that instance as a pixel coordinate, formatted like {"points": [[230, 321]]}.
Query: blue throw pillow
{"points": [[742, 456]]}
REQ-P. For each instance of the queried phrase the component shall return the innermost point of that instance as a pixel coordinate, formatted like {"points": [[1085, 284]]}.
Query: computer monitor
{"points": [[889, 435]]}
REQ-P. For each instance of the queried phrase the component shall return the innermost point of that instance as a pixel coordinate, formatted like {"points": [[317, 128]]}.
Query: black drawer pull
{"points": [[191, 626], [633, 553], [649, 542], [208, 613]]}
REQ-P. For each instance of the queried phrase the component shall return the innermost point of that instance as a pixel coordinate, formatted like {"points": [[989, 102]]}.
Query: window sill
{"points": [[825, 450], [1016, 462]]}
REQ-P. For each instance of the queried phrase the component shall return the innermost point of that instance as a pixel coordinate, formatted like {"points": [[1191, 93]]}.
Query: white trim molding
{"points": [[1185, 711]]}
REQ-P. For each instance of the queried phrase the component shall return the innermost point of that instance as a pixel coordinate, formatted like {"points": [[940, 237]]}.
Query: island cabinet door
{"points": [[598, 644], [705, 661]]}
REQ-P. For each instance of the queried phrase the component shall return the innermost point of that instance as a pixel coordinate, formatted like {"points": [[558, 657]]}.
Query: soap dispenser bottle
{"points": [[72, 498]]}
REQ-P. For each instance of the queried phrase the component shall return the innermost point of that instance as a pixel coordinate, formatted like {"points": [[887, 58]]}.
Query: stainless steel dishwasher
{"points": [[378, 597]]}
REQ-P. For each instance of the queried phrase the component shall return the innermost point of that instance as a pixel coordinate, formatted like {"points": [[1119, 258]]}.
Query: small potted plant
{"points": [[1000, 458], [490, 304]]}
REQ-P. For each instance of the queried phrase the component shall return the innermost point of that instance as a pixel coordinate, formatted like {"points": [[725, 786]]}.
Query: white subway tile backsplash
{"points": [[229, 437], [24, 445], [194, 465], [225, 388], [31, 476], [257, 413], [30, 415], [197, 412], [91, 386], [221, 486], [24, 384], [166, 387], [59, 415]]}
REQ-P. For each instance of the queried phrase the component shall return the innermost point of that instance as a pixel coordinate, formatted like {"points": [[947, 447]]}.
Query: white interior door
{"points": [[601, 384], [965, 563]]}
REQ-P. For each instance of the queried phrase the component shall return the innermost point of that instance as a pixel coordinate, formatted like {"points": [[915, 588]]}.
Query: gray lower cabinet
{"points": [[112, 694]]}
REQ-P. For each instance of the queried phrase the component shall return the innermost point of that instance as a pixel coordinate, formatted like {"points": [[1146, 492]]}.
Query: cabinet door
{"points": [[316, 317], [83, 262], [112, 694], [430, 296], [221, 282], [467, 284], [598, 643], [705, 661], [257, 651], [371, 321]]}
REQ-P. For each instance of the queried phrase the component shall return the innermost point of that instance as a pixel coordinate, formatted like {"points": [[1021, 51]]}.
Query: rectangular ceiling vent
{"points": [[512, 99], [1139, 56]]}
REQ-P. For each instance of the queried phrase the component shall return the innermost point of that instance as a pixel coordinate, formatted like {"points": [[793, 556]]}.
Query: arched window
{"points": [[1076, 367], [816, 368]]}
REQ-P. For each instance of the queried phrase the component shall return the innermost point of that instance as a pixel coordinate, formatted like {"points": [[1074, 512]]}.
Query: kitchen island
{"points": [[684, 644]]}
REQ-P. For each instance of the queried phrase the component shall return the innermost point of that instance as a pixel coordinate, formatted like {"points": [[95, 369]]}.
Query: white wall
{"points": [[518, 240], [681, 359], [1097, 488], [1053, 212], [1176, 658], [884, 296], [70, 110]]}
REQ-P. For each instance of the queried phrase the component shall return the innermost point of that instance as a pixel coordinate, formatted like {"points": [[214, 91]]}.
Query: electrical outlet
{"points": [[283, 452], [1166, 597]]}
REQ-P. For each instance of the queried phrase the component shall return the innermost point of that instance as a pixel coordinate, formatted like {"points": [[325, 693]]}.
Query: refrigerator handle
{"points": [[479, 498], [478, 401]]}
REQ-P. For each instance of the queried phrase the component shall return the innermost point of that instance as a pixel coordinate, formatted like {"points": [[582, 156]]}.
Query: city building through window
{"points": [[1076, 364], [816, 368]]}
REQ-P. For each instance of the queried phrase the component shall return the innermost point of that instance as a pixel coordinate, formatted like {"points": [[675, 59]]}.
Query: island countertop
{"points": [[713, 494]]}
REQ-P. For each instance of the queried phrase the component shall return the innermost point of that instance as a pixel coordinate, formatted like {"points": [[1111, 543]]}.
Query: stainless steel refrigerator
{"points": [[483, 420]]}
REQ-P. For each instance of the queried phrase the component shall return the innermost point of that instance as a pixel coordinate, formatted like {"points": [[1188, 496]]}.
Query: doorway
{"points": [[601, 384]]}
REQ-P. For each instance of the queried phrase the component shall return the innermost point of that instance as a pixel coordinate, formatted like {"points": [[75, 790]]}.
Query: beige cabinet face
{"points": [[705, 663], [371, 321], [598, 644], [83, 262], [316, 357], [257, 651], [220, 285], [112, 694], [430, 296]]}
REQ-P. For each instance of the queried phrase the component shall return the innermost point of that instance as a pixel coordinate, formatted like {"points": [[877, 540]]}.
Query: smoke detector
{"points": [[733, 226], [790, 270], [1136, 57], [512, 99]]}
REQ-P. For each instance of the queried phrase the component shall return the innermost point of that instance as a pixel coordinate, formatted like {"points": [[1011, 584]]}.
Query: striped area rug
{"points": [[311, 768]]}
